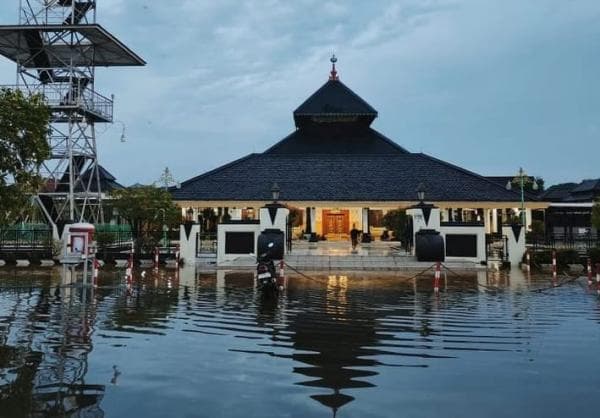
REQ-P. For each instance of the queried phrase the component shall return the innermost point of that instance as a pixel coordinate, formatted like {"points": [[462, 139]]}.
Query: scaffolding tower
{"points": [[57, 46]]}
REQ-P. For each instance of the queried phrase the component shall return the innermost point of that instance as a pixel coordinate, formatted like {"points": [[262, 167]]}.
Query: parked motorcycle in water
{"points": [[266, 276]]}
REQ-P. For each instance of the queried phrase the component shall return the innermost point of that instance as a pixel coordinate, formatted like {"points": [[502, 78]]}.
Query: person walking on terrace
{"points": [[354, 236]]}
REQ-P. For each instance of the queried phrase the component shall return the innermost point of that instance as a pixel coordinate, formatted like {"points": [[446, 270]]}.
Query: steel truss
{"points": [[57, 47]]}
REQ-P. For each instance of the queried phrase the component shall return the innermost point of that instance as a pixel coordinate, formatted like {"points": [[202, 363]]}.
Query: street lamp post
{"points": [[522, 179], [164, 227]]}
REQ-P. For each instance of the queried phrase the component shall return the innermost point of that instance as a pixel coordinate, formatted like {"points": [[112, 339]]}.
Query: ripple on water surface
{"points": [[359, 344]]}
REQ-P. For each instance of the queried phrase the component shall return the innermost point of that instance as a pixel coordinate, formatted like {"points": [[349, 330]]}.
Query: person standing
{"points": [[354, 236]]}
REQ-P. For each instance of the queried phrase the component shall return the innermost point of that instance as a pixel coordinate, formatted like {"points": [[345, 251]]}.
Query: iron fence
{"points": [[18, 240], [496, 247], [579, 242], [120, 242], [207, 243]]}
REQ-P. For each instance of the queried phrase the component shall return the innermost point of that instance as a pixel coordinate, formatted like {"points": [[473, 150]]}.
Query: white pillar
{"points": [[494, 220], [365, 220], [516, 244], [487, 213], [188, 242], [313, 220]]}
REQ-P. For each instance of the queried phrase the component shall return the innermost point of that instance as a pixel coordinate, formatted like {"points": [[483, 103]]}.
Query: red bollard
{"points": [[553, 264], [95, 273], [589, 271], [281, 278], [436, 281], [129, 269]]}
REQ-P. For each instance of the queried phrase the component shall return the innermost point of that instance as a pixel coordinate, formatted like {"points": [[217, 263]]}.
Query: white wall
{"points": [[222, 229], [478, 231]]}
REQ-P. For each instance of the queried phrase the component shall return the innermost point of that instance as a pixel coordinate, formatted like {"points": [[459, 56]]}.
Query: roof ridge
{"points": [[220, 168], [473, 174], [389, 140], [370, 109], [268, 150]]}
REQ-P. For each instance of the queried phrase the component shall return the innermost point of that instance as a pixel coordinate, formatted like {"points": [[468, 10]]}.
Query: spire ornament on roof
{"points": [[333, 75]]}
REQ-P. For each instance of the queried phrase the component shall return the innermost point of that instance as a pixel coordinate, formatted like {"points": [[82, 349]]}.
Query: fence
{"points": [[496, 247], [579, 242], [16, 240], [119, 242], [207, 243]]}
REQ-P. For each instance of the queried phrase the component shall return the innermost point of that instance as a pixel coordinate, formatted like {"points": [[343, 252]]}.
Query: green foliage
{"points": [[594, 254], [146, 208], [24, 127], [596, 215], [208, 221], [396, 221], [295, 216], [563, 257]]}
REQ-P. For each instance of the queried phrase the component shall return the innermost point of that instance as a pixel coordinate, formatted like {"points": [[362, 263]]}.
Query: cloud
{"points": [[488, 85]]}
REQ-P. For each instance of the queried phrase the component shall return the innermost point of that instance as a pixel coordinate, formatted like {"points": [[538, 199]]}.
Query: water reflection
{"points": [[337, 337], [45, 340]]}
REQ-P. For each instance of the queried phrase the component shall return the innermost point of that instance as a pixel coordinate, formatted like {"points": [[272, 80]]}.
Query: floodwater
{"points": [[347, 345]]}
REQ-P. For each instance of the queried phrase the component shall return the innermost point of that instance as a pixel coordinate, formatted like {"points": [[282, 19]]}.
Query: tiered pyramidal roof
{"points": [[335, 155]]}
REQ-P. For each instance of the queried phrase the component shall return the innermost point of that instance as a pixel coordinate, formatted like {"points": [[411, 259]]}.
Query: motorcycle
{"points": [[266, 276]]}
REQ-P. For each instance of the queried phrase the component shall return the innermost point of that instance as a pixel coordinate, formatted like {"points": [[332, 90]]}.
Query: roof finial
{"points": [[333, 75]]}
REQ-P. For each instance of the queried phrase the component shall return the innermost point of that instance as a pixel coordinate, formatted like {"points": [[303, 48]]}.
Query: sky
{"points": [[490, 85]]}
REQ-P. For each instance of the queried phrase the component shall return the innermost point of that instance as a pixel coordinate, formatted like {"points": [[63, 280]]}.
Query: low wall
{"points": [[236, 241], [464, 243]]}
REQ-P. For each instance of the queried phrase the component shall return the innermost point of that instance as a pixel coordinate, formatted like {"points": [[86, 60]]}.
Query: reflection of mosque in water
{"points": [[334, 344], [335, 330]]}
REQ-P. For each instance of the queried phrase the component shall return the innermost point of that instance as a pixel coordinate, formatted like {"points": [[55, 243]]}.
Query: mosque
{"points": [[339, 172]]}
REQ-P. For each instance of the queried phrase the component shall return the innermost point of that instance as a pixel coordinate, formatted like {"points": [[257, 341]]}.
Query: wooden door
{"points": [[336, 222]]}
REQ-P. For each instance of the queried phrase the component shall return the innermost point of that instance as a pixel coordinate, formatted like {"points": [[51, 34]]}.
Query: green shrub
{"points": [[563, 257], [594, 254]]}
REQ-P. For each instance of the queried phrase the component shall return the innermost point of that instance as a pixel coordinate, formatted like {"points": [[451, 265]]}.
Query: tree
{"points": [[596, 215], [24, 128], [396, 221], [147, 209]]}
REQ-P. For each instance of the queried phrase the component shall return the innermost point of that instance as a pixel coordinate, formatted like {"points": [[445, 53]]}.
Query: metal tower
{"points": [[57, 46]]}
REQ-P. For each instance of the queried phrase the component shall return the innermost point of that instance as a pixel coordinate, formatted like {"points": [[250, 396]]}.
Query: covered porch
{"points": [[333, 220]]}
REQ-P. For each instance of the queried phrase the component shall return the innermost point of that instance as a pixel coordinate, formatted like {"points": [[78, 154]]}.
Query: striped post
{"points": [[528, 258], [553, 264], [281, 278], [178, 261], [436, 281], [96, 265], [129, 269], [589, 271]]}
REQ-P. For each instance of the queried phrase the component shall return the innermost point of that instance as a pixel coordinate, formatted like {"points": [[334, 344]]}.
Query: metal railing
{"points": [[121, 242], [207, 243], [579, 242], [496, 247], [23, 240], [64, 96]]}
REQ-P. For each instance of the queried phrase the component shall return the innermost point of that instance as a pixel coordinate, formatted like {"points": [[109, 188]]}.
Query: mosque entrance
{"points": [[336, 223]]}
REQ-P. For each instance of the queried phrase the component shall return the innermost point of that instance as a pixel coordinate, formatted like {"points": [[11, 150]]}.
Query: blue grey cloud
{"points": [[488, 85]]}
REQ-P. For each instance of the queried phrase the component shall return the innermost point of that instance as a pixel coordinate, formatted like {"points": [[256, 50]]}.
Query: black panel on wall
{"points": [[461, 245], [239, 242]]}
